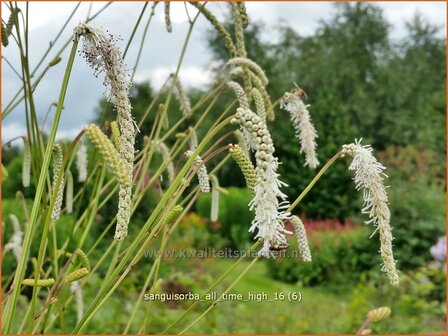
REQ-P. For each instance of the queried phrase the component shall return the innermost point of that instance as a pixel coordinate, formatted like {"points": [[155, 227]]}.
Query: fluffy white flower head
{"points": [[81, 161], [204, 184], [103, 55], [369, 176], [269, 202], [305, 131], [15, 242]]}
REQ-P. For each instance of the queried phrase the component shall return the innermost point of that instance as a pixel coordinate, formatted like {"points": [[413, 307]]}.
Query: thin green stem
{"points": [[111, 282], [47, 224], [10, 307]]}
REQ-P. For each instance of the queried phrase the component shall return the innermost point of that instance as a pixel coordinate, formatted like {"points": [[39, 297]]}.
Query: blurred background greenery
{"points": [[360, 83]]}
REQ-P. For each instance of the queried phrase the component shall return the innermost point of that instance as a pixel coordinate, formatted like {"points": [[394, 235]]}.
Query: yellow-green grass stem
{"points": [[47, 224], [98, 301], [10, 307]]}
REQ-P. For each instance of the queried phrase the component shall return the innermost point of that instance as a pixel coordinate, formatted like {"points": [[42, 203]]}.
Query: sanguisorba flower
{"points": [[182, 98], [15, 242], [244, 104], [204, 184], [169, 27], [57, 165], [369, 176], [69, 191], [102, 54], [239, 93], [75, 289], [242, 159], [305, 131], [302, 240], [109, 154], [26, 168], [269, 211], [163, 149], [81, 161]]}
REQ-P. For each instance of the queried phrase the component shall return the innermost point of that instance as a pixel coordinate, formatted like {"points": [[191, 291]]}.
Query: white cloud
{"points": [[161, 50], [190, 76], [11, 131], [14, 130], [42, 13]]}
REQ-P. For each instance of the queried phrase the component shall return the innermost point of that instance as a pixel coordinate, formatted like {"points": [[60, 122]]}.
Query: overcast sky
{"points": [[161, 50]]}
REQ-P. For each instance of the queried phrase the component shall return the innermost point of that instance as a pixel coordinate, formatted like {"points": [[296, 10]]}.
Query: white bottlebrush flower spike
{"points": [[204, 184], [239, 93], [302, 240], [242, 61], [69, 191], [305, 131], [259, 103], [57, 165], [269, 211], [102, 54], [75, 289], [81, 161], [26, 168], [244, 104], [163, 149], [15, 242], [369, 176], [169, 27], [184, 101]]}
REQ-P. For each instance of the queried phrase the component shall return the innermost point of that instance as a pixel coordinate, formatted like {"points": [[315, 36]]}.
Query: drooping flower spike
{"points": [[109, 154], [75, 289], [204, 184], [102, 54], [163, 149], [169, 27], [26, 168], [69, 191], [57, 165], [15, 242], [305, 131], [369, 177], [81, 161], [302, 240], [242, 159], [182, 98], [269, 202]]}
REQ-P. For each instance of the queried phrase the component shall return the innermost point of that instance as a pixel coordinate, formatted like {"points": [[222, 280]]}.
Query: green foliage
{"points": [[234, 216], [418, 304], [360, 83], [13, 183], [12, 206], [418, 217], [339, 258]]}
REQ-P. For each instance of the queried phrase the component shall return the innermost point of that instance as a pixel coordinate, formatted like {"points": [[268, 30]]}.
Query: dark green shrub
{"points": [[234, 216], [418, 304], [418, 218], [339, 257]]}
